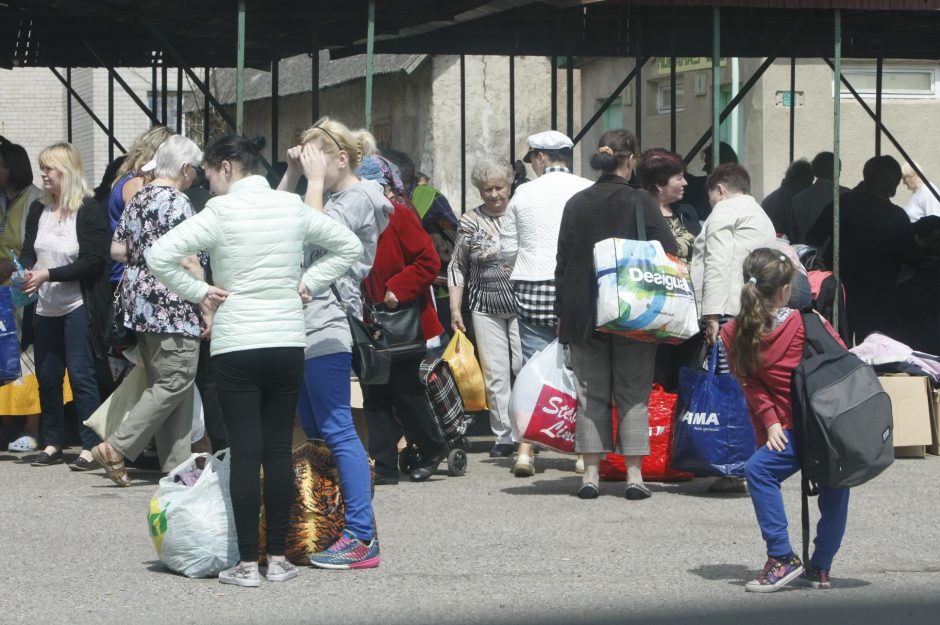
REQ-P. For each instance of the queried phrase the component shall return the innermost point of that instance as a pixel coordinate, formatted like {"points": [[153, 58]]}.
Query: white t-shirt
{"points": [[57, 245], [922, 204]]}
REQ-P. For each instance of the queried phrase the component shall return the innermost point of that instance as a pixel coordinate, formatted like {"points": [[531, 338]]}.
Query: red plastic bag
{"points": [[655, 468]]}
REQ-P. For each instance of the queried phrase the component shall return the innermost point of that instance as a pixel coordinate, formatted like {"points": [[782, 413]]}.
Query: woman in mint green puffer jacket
{"points": [[255, 238]]}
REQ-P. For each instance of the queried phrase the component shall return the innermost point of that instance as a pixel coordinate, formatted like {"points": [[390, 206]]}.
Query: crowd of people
{"points": [[246, 294]]}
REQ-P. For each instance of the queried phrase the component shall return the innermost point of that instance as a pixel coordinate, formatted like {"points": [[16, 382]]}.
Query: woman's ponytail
{"points": [[766, 271]]}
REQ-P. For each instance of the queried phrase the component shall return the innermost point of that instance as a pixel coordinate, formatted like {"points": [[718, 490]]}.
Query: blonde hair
{"points": [[66, 159], [332, 137], [143, 150]]}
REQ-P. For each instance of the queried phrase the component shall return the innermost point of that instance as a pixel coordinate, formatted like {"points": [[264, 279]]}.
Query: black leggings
{"points": [[257, 390]]}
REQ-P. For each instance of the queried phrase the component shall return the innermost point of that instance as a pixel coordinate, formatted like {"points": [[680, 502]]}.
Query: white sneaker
{"points": [[240, 575], [524, 467], [579, 465], [281, 571]]}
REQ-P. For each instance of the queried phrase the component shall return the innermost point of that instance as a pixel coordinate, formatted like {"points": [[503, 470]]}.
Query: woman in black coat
{"points": [[66, 247], [610, 369]]}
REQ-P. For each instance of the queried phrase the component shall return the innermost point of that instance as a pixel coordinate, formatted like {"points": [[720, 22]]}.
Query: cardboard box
{"points": [[910, 451], [911, 404], [934, 448]]}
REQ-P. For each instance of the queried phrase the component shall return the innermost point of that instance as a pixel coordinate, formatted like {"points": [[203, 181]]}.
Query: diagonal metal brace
{"points": [[610, 100], [88, 110], [127, 88], [886, 132]]}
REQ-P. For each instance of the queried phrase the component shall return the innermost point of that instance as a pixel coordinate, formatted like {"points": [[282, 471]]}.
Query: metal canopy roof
{"points": [[57, 33], [800, 28]]}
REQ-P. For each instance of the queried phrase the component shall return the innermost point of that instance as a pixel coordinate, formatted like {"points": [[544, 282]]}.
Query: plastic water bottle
{"points": [[20, 277]]}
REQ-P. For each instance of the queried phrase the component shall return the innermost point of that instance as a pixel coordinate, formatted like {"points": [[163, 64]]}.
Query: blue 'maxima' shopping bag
{"points": [[9, 343], [713, 432]]}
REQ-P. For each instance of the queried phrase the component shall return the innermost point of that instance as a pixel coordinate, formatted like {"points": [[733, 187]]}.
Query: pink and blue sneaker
{"points": [[348, 553], [777, 573]]}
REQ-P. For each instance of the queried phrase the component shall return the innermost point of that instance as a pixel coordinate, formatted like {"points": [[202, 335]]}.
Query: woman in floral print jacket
{"points": [[167, 326]]}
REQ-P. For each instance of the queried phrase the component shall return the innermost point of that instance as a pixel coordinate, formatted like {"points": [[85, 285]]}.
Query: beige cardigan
{"points": [[736, 227]]}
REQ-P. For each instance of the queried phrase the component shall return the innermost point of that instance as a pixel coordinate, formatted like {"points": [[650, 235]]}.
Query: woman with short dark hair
{"points": [[662, 173], [736, 227]]}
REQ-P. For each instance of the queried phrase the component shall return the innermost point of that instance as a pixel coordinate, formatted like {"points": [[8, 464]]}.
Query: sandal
{"points": [[114, 468], [23, 443]]}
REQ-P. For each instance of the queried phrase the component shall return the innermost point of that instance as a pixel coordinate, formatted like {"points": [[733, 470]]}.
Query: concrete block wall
{"points": [[33, 112]]}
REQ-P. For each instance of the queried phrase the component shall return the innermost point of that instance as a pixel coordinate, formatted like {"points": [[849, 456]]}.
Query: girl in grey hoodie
{"points": [[328, 157]]}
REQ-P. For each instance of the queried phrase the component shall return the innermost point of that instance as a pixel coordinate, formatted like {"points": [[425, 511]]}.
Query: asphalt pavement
{"points": [[484, 548]]}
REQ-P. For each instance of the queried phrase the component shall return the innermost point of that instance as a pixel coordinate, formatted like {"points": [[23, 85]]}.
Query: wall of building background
{"points": [[33, 112], [764, 141]]}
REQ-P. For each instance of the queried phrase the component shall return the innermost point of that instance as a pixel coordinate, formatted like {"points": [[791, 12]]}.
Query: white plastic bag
{"points": [[544, 402], [193, 527], [113, 410]]}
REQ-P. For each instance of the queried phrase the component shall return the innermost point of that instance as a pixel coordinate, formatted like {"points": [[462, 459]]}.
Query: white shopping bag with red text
{"points": [[544, 404]]}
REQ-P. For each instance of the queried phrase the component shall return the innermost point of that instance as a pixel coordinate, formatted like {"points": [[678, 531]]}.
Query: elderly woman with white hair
{"points": [[923, 203], [168, 327], [477, 266]]}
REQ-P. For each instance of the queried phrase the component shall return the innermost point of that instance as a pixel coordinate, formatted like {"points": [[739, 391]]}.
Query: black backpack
{"points": [[843, 415], [843, 418]]}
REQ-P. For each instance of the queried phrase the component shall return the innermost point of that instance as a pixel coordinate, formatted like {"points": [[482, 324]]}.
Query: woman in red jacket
{"points": [[404, 269], [764, 344]]}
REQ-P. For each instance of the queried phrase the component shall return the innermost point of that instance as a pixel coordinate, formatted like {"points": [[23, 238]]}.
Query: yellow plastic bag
{"points": [[464, 367]]}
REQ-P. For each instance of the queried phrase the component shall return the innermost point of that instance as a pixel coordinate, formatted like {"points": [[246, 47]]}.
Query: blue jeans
{"points": [[325, 413], [534, 338], [765, 471], [62, 343]]}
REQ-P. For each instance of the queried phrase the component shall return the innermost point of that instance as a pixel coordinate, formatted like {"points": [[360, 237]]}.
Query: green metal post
{"points": [[370, 53], [836, 159], [716, 82], [240, 72]]}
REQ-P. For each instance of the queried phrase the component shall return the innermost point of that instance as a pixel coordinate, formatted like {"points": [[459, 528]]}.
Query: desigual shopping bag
{"points": [[544, 403], [714, 435], [642, 292], [463, 364]]}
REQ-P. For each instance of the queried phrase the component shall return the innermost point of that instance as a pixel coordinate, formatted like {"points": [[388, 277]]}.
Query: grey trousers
{"points": [[613, 370], [500, 354], [165, 410]]}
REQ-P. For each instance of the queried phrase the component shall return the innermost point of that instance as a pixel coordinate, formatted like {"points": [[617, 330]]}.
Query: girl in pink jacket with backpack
{"points": [[765, 344]]}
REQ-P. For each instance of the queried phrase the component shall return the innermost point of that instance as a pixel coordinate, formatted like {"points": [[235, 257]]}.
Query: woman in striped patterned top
{"points": [[477, 266]]}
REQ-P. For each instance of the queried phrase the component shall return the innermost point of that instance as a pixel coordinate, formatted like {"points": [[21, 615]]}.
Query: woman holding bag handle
{"points": [[610, 369]]}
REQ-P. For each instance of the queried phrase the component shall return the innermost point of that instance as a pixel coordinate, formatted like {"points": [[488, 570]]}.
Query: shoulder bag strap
{"points": [[640, 217]]}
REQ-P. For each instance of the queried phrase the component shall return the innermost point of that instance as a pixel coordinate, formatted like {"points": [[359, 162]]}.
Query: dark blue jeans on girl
{"points": [[325, 414], [765, 471]]}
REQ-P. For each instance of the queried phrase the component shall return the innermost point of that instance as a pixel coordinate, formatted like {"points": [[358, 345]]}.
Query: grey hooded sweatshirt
{"points": [[364, 209]]}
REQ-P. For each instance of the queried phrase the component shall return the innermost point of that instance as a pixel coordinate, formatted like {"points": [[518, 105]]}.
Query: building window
{"points": [[613, 116], [898, 82], [171, 108], [664, 98]]}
